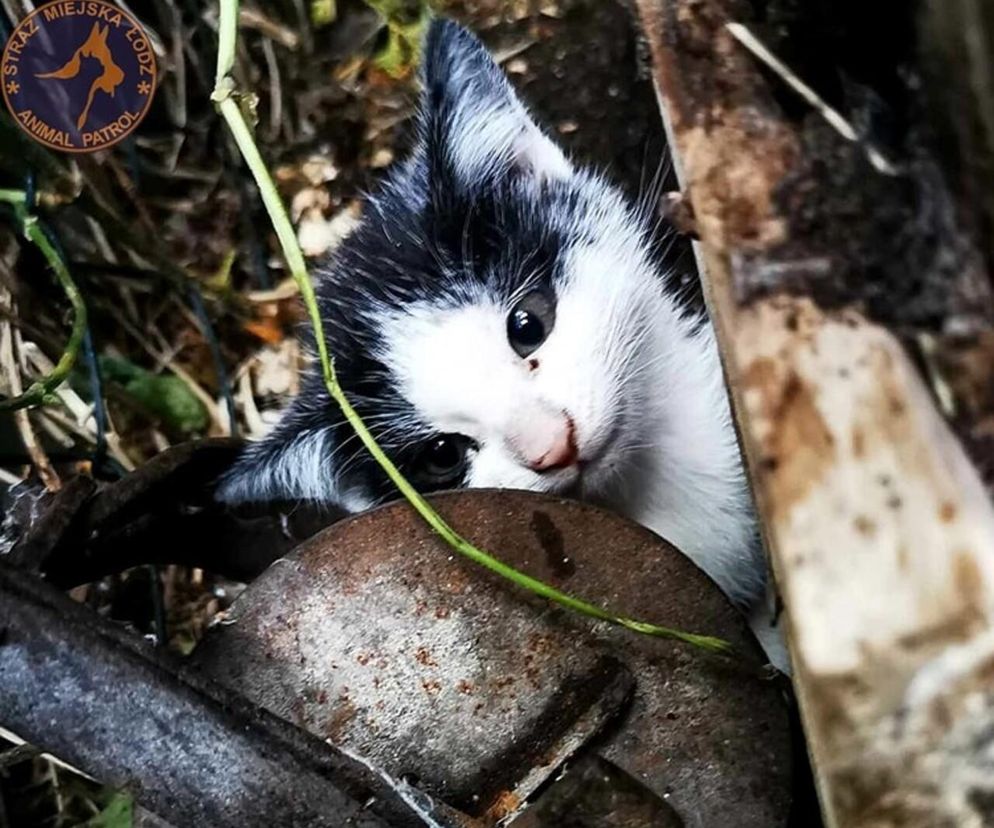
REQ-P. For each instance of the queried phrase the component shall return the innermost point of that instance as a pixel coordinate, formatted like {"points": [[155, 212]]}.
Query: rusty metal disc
{"points": [[377, 636]]}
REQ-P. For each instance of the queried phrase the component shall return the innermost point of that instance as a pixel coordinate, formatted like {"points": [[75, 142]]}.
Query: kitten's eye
{"points": [[442, 460], [530, 322]]}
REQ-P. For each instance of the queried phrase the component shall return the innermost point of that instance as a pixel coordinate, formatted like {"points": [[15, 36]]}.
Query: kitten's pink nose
{"points": [[549, 443]]}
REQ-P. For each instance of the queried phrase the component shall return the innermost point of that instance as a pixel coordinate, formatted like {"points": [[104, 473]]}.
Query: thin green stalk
{"points": [[232, 114], [227, 42], [41, 390]]}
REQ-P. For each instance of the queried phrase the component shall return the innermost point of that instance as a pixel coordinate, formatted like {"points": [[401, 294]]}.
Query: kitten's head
{"points": [[489, 319]]}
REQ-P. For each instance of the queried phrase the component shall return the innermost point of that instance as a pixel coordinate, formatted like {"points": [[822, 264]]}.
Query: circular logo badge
{"points": [[78, 75]]}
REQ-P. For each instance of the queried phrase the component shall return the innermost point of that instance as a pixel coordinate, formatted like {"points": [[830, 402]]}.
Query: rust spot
{"points": [[550, 538], [442, 612], [423, 656], [465, 687], [364, 658], [947, 512], [457, 581], [539, 643], [504, 804], [503, 682], [431, 686], [340, 720]]}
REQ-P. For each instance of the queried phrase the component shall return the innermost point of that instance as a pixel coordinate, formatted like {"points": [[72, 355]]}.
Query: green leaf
{"points": [[323, 12], [406, 21], [163, 396], [119, 813]]}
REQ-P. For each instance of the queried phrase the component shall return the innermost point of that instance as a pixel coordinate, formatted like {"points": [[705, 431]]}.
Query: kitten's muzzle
{"points": [[548, 443]]}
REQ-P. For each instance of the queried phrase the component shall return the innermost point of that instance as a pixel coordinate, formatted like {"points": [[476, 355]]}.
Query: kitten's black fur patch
{"points": [[433, 233]]}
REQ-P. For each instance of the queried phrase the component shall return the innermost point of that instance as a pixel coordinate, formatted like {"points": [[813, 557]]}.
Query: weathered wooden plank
{"points": [[880, 529], [884, 552]]}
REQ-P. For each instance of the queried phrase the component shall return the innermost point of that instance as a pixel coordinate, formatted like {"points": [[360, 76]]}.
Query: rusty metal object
{"points": [[195, 753], [162, 513], [35, 520], [375, 635]]}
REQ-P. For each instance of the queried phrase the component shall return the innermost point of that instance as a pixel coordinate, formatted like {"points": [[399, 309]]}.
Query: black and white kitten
{"points": [[499, 319]]}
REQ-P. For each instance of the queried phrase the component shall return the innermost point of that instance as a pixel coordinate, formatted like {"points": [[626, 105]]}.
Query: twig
{"points": [[224, 96], [286, 289], [41, 390], [56, 433], [12, 374], [256, 426], [275, 88], [8, 478]]}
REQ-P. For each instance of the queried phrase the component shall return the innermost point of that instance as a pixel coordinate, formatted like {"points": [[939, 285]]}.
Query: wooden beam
{"points": [[880, 529]]}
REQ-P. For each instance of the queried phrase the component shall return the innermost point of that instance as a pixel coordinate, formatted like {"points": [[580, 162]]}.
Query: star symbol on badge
{"points": [[13, 87], [144, 88]]}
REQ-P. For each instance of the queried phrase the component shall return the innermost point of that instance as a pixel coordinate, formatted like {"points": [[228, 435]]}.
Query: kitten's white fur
{"points": [[641, 381]]}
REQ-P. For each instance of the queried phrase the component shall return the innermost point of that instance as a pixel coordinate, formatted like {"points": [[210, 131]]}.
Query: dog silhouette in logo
{"points": [[95, 46]]}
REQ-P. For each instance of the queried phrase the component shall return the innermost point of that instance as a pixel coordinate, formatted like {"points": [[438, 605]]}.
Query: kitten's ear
{"points": [[472, 124], [295, 461]]}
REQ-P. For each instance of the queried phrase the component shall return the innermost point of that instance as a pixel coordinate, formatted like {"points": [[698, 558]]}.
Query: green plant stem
{"points": [[41, 390], [228, 107], [227, 41]]}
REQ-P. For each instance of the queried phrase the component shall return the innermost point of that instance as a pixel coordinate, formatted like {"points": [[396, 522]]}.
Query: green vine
{"points": [[225, 96], [41, 391]]}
